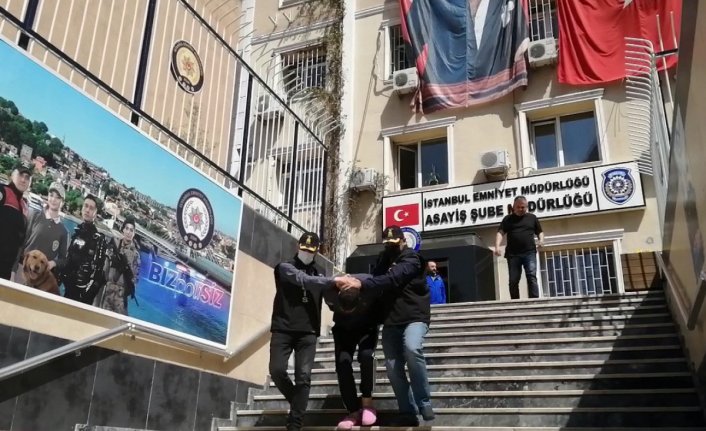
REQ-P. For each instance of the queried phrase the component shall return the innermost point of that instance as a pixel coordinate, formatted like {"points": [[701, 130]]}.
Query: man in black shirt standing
{"points": [[521, 250], [296, 324]]}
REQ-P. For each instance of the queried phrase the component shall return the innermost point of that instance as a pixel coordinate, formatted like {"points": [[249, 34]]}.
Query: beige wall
{"points": [[684, 232]]}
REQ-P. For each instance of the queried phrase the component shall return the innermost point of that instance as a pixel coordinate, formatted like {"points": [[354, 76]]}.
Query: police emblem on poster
{"points": [[618, 185], [412, 237], [195, 219], [186, 67]]}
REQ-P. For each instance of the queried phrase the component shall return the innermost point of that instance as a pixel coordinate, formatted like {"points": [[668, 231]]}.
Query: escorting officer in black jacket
{"points": [[296, 324], [357, 315], [399, 275], [14, 212]]}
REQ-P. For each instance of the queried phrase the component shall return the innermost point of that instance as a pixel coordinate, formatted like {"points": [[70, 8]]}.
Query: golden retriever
{"points": [[37, 274]]}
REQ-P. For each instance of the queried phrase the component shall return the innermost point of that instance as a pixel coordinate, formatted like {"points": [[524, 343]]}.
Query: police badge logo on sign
{"points": [[195, 219], [618, 185]]}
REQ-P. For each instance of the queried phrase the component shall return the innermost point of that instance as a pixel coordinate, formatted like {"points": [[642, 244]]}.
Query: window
{"points": [[565, 140], [397, 59], [582, 271], [543, 20], [422, 164], [304, 69], [307, 183]]}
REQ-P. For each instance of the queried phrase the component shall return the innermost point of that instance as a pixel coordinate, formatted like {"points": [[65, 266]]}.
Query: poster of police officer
{"points": [[94, 211]]}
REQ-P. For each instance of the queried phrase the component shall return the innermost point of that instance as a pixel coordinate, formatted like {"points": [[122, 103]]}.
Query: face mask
{"points": [[392, 249], [305, 257]]}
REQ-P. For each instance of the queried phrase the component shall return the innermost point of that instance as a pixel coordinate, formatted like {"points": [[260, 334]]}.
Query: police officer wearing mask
{"points": [[296, 324], [83, 274], [399, 275]]}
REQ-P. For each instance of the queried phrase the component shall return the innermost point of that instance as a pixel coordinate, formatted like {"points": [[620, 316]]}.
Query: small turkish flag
{"points": [[402, 215]]}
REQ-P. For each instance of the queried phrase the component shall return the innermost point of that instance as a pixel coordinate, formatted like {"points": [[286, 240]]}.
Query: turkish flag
{"points": [[402, 215], [592, 36]]}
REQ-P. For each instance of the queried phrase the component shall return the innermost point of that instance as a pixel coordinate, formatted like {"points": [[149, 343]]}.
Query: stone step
{"points": [[545, 303], [579, 381], [552, 323], [535, 343], [459, 428], [492, 399], [623, 310], [496, 368], [539, 355], [654, 416], [510, 334]]}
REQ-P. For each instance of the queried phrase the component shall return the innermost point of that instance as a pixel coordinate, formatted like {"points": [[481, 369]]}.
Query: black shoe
{"points": [[404, 420], [427, 413]]}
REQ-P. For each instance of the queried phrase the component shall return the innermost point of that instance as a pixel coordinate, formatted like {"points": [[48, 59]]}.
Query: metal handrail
{"points": [[36, 361]]}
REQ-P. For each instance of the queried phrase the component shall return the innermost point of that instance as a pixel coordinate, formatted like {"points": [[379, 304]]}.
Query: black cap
{"points": [[309, 242], [392, 234], [24, 167]]}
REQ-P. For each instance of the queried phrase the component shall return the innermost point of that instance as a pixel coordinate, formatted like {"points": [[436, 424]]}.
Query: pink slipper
{"points": [[348, 422], [368, 416]]}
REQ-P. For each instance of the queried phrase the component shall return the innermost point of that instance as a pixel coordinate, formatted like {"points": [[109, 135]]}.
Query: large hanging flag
{"points": [[467, 52], [592, 36]]}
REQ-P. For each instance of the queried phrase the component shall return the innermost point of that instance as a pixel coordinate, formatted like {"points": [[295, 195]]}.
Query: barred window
{"points": [[304, 69], [398, 52]]}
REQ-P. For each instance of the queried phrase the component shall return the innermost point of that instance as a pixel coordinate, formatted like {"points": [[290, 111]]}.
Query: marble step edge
{"points": [[471, 428], [592, 310], [544, 364], [494, 323], [579, 351], [524, 394], [541, 303], [533, 378], [634, 294], [499, 410], [558, 340], [329, 340]]}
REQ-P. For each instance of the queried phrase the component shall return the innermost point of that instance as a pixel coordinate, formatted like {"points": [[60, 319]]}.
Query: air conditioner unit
{"points": [[363, 179], [405, 81], [267, 108], [542, 52], [497, 161]]}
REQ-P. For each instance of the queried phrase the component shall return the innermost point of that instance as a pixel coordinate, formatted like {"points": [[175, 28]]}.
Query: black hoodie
{"points": [[404, 288], [297, 304]]}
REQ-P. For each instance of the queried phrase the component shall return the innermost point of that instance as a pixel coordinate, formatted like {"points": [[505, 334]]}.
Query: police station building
{"points": [[450, 174]]}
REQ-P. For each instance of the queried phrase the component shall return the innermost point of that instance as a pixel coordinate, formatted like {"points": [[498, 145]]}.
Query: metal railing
{"points": [[543, 20], [228, 129], [578, 272]]}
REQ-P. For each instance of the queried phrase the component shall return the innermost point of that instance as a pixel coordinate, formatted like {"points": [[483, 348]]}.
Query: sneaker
{"points": [[348, 422], [427, 413], [368, 416]]}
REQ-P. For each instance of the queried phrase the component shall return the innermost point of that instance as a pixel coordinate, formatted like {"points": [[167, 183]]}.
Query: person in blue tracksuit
{"points": [[437, 288]]}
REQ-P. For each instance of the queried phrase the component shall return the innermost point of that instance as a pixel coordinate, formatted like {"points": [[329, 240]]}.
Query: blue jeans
{"points": [[403, 344], [515, 265]]}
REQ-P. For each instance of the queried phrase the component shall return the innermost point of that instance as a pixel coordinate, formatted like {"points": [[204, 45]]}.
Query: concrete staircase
{"points": [[611, 362]]}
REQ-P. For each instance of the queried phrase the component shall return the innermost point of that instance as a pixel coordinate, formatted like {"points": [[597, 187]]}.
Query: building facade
{"points": [[545, 134]]}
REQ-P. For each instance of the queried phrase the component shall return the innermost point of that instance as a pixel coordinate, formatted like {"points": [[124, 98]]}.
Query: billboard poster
{"points": [[100, 214]]}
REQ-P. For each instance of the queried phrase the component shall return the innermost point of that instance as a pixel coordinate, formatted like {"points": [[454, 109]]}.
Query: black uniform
{"points": [[13, 227], [296, 324], [83, 274]]}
